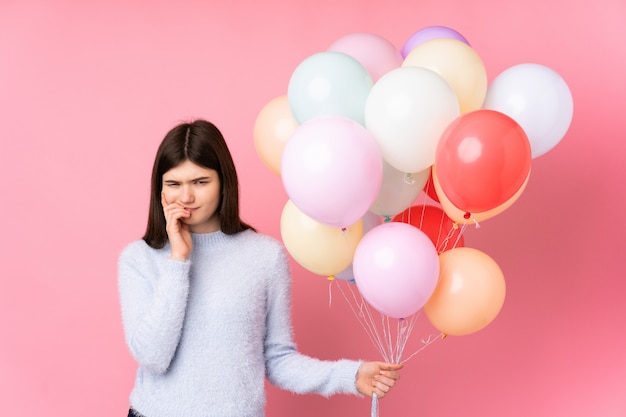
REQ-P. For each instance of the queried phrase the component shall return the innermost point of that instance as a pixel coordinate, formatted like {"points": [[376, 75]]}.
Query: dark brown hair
{"points": [[202, 143]]}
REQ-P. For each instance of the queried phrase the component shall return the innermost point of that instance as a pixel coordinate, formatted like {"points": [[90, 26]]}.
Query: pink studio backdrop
{"points": [[88, 89]]}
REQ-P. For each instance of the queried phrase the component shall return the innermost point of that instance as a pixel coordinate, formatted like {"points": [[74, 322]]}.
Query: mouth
{"points": [[190, 209]]}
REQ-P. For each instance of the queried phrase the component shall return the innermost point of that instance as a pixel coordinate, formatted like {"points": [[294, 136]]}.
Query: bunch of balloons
{"points": [[364, 128]]}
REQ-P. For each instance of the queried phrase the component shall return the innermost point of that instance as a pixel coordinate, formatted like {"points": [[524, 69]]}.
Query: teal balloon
{"points": [[329, 83]]}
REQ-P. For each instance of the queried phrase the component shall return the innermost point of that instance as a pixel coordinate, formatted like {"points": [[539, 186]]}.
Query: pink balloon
{"points": [[396, 267], [369, 221], [331, 169], [375, 53], [428, 33]]}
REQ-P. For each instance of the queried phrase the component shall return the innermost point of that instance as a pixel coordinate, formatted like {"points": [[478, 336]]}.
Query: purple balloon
{"points": [[428, 33]]}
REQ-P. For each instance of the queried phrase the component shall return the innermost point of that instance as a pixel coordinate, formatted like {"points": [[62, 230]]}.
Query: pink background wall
{"points": [[87, 91]]}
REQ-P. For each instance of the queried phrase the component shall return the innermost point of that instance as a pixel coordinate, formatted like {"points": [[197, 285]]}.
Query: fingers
{"points": [[173, 211], [390, 366], [388, 375], [377, 378], [384, 382], [178, 232], [380, 389], [386, 366]]}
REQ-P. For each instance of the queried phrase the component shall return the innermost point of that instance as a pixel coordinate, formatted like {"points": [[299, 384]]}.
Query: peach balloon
{"points": [[457, 215], [458, 64], [319, 248], [274, 125], [469, 294]]}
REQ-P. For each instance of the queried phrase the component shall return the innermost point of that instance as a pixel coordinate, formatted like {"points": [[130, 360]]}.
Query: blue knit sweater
{"points": [[206, 332]]}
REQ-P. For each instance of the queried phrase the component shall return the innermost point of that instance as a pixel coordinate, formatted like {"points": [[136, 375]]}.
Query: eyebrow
{"points": [[192, 180]]}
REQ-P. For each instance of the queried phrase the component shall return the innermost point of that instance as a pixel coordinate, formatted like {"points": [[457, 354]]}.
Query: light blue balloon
{"points": [[329, 83]]}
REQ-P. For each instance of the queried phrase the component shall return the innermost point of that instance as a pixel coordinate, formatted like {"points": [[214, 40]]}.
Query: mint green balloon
{"points": [[329, 83]]}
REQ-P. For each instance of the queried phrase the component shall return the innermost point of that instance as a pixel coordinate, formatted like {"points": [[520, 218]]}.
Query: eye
{"points": [[172, 184]]}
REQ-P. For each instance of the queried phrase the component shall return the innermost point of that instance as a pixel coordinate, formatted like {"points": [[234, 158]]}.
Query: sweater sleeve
{"points": [[285, 366], [153, 298]]}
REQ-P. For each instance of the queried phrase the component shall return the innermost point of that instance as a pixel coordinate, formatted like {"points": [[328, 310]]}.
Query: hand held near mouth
{"points": [[178, 233]]}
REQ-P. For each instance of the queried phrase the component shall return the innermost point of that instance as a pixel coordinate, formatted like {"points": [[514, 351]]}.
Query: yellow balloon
{"points": [[458, 64], [319, 248], [469, 294], [458, 216], [274, 125]]}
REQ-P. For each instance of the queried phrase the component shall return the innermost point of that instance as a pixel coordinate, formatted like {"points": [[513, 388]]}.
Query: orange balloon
{"points": [[274, 125], [319, 248], [459, 216], [469, 294]]}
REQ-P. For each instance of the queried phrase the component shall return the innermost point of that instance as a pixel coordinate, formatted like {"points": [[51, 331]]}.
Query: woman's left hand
{"points": [[377, 377]]}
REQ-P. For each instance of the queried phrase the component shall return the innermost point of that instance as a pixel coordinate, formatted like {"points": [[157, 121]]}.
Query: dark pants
{"points": [[133, 413]]}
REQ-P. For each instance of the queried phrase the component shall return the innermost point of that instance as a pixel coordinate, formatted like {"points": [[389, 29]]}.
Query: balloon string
{"points": [[463, 227], [363, 315], [425, 343], [391, 347], [405, 328], [374, 405], [443, 246], [378, 336], [331, 279]]}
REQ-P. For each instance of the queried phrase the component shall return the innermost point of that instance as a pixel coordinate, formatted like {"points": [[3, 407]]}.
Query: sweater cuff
{"points": [[348, 377], [177, 268]]}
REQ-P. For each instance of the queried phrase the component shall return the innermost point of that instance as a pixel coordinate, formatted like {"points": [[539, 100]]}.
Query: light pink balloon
{"points": [[375, 53], [332, 170], [369, 221], [396, 267]]}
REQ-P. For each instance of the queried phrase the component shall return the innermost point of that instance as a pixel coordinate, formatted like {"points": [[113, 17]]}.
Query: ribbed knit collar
{"points": [[209, 239], [213, 239]]}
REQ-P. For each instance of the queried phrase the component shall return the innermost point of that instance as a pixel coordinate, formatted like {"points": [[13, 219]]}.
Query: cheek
{"points": [[170, 195]]}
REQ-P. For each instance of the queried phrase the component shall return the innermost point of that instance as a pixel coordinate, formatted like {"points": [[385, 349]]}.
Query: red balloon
{"points": [[432, 220], [429, 188], [483, 158]]}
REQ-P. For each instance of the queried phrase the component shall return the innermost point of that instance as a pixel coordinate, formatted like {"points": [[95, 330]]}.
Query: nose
{"points": [[186, 195]]}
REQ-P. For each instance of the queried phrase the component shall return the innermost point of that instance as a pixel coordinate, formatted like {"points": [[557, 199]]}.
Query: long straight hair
{"points": [[202, 143]]}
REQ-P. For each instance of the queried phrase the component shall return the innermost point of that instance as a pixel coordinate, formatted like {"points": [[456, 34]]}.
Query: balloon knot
{"points": [[330, 278], [443, 335], [387, 219], [455, 225], [343, 229], [467, 215]]}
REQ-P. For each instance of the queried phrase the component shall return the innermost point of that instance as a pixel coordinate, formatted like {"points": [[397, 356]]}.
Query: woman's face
{"points": [[197, 190]]}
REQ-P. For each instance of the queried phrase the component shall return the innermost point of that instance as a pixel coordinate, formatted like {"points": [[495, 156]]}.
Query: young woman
{"points": [[205, 298]]}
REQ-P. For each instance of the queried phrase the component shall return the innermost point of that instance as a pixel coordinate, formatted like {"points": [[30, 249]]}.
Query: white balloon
{"points": [[538, 99], [398, 190], [407, 110]]}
